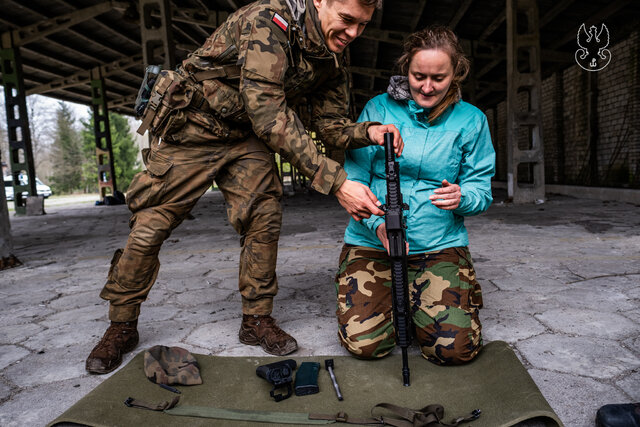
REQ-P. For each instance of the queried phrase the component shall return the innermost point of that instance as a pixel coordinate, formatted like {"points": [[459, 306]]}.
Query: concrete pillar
{"points": [[102, 132], [593, 132], [7, 258], [156, 35], [558, 118], [525, 159], [20, 150]]}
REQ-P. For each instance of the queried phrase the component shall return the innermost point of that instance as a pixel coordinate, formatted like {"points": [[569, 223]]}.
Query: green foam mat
{"points": [[495, 382]]}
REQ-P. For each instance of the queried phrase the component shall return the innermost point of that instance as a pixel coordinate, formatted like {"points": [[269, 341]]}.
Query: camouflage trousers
{"points": [[444, 297], [177, 175]]}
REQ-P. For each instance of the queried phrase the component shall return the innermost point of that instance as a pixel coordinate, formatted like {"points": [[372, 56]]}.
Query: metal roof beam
{"points": [[83, 77], [372, 72], [460, 14], [87, 39], [386, 36], [493, 25], [601, 15], [555, 11], [116, 5], [551, 54], [42, 29], [418, 14], [119, 102], [212, 19]]}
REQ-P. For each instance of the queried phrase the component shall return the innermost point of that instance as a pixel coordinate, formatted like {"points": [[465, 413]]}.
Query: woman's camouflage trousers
{"points": [[177, 175], [444, 298]]}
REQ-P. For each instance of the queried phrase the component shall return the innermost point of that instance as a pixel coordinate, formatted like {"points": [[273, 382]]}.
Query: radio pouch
{"points": [[170, 96], [307, 379], [144, 93]]}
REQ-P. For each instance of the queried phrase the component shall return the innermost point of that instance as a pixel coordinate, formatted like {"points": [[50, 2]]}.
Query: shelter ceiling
{"points": [[62, 40]]}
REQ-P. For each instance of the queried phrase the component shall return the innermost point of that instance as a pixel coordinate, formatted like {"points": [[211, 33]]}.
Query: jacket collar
{"points": [[398, 90], [316, 43]]}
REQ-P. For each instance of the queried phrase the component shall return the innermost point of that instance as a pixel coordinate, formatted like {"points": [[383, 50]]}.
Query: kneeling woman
{"points": [[445, 175]]}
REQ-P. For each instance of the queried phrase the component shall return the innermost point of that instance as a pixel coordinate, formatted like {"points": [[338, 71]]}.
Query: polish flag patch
{"points": [[280, 22]]}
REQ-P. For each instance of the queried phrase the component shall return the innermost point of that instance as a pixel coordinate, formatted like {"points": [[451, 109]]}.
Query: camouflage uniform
{"points": [[238, 89], [443, 294]]}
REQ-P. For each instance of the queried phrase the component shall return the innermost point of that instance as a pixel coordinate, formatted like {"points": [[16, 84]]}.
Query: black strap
{"points": [[136, 403]]}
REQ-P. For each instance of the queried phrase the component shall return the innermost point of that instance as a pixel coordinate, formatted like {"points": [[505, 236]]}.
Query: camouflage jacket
{"points": [[273, 62]]}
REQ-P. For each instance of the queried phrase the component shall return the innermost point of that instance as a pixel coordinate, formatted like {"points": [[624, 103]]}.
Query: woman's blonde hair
{"points": [[440, 38]]}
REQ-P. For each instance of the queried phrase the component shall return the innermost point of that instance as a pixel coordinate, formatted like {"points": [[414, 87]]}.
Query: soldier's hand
{"points": [[376, 135], [446, 197], [358, 200]]}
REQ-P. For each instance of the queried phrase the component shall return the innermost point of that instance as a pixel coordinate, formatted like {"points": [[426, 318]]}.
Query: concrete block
{"points": [[35, 205], [24, 409], [66, 335], [509, 326], [209, 313], [592, 323], [578, 355], [631, 385], [575, 399], [218, 337], [15, 334], [10, 354], [48, 367], [5, 392], [75, 315]]}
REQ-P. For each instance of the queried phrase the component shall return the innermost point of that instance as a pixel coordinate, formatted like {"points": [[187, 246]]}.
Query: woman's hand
{"points": [[447, 197], [381, 232], [376, 135]]}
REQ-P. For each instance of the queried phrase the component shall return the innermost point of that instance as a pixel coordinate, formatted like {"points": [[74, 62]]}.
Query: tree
{"points": [[67, 153], [42, 129], [124, 149]]}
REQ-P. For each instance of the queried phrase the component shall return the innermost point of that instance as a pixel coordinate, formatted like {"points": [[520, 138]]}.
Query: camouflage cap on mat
{"points": [[171, 365]]}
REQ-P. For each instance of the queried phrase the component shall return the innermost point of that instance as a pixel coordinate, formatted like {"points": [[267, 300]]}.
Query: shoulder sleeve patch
{"points": [[280, 22]]}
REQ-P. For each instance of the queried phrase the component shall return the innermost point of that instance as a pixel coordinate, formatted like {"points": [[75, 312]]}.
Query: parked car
{"points": [[41, 188]]}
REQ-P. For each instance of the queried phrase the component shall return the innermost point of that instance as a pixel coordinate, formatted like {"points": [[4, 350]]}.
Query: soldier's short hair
{"points": [[376, 3]]}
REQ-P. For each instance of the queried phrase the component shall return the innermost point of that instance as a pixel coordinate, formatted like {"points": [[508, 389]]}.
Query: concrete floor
{"points": [[561, 284]]}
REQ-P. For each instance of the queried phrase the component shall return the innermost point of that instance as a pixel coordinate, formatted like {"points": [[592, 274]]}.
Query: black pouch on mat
{"points": [[307, 379]]}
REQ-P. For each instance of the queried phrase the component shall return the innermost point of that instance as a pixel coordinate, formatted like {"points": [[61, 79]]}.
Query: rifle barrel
{"points": [[394, 222]]}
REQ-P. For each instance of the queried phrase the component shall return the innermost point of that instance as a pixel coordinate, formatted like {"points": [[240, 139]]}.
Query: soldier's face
{"points": [[430, 76], [342, 21]]}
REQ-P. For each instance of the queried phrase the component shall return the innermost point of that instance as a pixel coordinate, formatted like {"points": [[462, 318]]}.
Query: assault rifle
{"points": [[394, 221]]}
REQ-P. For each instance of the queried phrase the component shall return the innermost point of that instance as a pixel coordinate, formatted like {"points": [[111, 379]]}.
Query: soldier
{"points": [[218, 117]]}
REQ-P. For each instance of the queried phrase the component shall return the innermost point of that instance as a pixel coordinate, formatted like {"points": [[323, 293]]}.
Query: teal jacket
{"points": [[456, 147]]}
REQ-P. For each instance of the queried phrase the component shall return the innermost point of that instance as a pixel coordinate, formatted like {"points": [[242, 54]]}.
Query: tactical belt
{"points": [[429, 416]]}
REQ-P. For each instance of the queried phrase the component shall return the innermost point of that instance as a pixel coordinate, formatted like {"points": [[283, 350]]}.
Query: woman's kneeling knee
{"points": [[452, 351], [367, 348]]}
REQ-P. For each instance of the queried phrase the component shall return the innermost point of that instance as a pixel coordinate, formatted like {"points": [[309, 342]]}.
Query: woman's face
{"points": [[430, 75]]}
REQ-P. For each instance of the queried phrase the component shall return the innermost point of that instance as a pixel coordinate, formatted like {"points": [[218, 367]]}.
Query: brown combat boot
{"points": [[263, 331], [120, 338]]}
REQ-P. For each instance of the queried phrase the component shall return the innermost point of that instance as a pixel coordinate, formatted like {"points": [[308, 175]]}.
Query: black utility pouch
{"points": [[307, 379], [144, 93]]}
